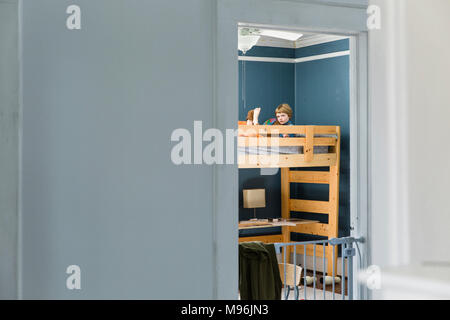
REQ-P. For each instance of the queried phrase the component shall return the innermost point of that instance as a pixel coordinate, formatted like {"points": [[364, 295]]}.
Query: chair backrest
{"points": [[290, 274]]}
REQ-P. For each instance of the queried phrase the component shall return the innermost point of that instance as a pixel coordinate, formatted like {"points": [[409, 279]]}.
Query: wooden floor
{"points": [[329, 288]]}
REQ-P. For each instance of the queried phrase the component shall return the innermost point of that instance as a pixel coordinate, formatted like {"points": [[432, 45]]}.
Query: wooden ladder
{"points": [[330, 207]]}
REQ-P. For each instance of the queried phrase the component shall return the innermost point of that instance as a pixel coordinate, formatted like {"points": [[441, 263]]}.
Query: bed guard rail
{"points": [[291, 274]]}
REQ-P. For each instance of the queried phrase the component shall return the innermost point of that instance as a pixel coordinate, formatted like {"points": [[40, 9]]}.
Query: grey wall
{"points": [[99, 188], [9, 151], [99, 105], [350, 3]]}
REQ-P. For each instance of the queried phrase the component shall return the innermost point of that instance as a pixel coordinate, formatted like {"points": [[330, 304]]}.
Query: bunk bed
{"points": [[287, 147]]}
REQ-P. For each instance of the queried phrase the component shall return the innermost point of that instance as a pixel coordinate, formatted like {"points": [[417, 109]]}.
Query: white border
{"points": [[303, 42], [323, 56], [275, 43], [297, 60], [266, 59]]}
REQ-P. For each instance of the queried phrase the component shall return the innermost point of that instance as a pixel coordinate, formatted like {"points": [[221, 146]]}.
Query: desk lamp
{"points": [[254, 198]]}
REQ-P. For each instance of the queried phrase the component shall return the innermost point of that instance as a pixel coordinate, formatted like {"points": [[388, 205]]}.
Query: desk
{"points": [[274, 238], [257, 224]]}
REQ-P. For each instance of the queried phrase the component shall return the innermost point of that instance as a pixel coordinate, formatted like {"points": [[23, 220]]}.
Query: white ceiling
{"points": [[307, 39]]}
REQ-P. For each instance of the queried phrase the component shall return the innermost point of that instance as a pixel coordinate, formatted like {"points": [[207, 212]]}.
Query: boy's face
{"points": [[282, 118]]}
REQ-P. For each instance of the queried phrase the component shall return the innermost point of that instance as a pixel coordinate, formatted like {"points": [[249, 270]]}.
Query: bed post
{"points": [[285, 208], [309, 145], [333, 216]]}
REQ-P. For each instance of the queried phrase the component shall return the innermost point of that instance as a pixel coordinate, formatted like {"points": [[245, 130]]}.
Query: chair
{"points": [[293, 272]]}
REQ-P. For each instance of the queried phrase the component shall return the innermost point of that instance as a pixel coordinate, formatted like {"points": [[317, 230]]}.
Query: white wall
{"points": [[410, 99], [429, 128]]}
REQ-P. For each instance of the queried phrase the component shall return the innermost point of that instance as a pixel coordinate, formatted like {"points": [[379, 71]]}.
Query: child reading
{"points": [[283, 115]]}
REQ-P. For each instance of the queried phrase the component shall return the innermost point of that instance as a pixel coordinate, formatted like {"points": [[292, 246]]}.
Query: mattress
{"points": [[264, 150], [279, 150]]}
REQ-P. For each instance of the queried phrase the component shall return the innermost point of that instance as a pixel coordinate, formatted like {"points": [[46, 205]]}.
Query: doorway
{"points": [[308, 19], [308, 74]]}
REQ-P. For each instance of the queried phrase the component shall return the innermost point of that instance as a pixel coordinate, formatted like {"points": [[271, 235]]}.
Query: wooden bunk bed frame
{"points": [[311, 136]]}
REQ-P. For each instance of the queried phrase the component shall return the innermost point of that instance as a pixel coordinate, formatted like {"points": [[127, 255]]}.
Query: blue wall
{"points": [[323, 98], [266, 85], [272, 52], [323, 48], [318, 92]]}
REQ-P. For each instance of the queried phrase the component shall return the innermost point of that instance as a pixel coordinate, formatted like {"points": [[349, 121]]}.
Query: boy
{"points": [[283, 115]]}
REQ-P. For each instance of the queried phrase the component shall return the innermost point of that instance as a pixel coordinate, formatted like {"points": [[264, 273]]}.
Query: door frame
{"points": [[330, 18]]}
